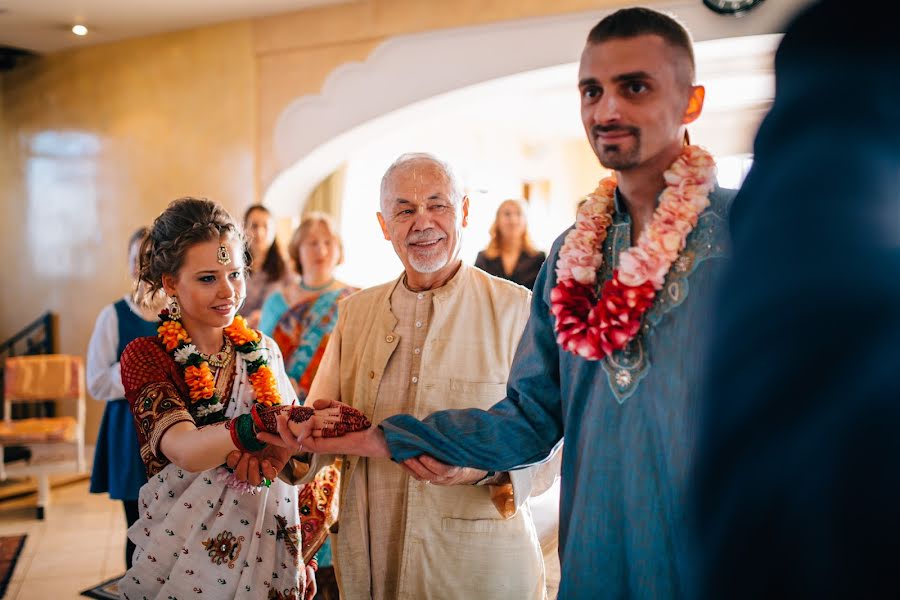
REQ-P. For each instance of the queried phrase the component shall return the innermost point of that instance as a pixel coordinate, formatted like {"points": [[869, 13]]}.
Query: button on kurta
{"points": [[371, 374], [389, 338]]}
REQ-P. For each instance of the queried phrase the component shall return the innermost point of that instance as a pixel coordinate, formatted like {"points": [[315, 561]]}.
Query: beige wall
{"points": [[95, 143]]}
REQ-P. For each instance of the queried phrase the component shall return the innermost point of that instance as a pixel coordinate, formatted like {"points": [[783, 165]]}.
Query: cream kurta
{"points": [[396, 351]]}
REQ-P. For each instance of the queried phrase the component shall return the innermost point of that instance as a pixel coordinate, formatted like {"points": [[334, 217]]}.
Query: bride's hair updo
{"points": [[187, 221]]}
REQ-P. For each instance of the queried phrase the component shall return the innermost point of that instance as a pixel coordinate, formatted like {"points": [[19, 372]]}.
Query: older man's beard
{"points": [[612, 156], [427, 260]]}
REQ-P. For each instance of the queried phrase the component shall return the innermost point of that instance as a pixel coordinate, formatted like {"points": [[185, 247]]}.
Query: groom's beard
{"points": [[617, 156]]}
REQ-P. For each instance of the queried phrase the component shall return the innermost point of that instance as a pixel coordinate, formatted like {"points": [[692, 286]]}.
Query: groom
{"points": [[622, 391]]}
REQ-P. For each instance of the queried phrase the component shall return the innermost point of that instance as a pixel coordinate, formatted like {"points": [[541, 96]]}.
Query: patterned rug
{"points": [[10, 548], [108, 590]]}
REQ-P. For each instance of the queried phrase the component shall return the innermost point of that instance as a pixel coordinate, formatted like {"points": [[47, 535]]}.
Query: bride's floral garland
{"points": [[197, 373], [593, 327]]}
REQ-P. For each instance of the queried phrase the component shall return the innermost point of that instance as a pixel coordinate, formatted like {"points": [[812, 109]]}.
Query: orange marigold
{"points": [[172, 334], [200, 381], [263, 382], [239, 333]]}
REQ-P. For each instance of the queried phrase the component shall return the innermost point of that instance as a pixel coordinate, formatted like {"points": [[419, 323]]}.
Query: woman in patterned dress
{"points": [[300, 318], [201, 388]]}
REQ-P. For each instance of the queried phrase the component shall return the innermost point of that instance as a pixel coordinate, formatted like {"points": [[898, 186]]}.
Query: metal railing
{"points": [[38, 337]]}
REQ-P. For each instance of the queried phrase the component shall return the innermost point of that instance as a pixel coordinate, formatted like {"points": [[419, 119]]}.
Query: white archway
{"points": [[359, 100]]}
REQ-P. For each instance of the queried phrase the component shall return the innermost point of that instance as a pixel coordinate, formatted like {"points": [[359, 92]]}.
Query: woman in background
{"points": [[300, 318], [510, 253], [118, 469], [269, 269]]}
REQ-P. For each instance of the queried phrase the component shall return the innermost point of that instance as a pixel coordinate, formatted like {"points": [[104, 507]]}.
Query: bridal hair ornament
{"points": [[224, 256]]}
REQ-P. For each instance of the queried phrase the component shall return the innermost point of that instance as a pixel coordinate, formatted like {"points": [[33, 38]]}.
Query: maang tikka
{"points": [[224, 256]]}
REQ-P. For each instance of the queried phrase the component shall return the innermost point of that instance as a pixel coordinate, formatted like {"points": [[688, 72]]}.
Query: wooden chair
{"points": [[56, 443]]}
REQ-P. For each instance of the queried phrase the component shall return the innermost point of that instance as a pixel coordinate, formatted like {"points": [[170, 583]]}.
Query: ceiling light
{"points": [[79, 30]]}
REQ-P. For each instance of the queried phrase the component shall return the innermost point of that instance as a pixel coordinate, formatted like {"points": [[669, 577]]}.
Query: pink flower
{"points": [[225, 476]]}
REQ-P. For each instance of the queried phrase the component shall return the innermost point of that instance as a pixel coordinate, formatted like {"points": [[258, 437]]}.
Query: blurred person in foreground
{"points": [[797, 488], [510, 254], [118, 468]]}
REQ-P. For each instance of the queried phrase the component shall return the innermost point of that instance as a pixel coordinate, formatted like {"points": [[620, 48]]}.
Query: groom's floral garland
{"points": [[197, 373], [593, 327]]}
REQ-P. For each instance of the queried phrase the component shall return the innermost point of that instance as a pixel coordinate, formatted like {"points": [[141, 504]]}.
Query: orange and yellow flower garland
{"points": [[197, 373]]}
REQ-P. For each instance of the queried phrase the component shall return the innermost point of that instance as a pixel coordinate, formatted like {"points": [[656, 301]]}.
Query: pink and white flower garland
{"points": [[593, 327]]}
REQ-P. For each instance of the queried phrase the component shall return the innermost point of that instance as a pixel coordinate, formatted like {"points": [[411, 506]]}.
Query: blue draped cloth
{"points": [[628, 423]]}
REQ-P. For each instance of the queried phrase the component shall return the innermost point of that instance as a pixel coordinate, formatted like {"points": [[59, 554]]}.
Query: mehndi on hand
{"points": [[336, 421]]}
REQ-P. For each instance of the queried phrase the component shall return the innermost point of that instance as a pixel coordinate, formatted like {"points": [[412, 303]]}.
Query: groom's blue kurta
{"points": [[628, 423]]}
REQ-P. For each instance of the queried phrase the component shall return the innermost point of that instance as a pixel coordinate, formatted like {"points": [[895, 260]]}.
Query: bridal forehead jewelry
{"points": [[224, 256]]}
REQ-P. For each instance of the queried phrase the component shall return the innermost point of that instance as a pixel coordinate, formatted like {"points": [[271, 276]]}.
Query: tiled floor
{"points": [[79, 544]]}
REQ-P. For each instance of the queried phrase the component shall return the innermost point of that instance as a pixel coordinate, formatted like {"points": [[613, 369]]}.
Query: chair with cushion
{"points": [[56, 443]]}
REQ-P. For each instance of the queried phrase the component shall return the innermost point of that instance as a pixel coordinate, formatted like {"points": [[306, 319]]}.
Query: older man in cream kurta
{"points": [[417, 345]]}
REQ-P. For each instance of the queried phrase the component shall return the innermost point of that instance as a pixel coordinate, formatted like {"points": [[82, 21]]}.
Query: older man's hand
{"points": [[427, 469]]}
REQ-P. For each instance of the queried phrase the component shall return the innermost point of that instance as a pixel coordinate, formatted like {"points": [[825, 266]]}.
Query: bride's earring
{"points": [[174, 309]]}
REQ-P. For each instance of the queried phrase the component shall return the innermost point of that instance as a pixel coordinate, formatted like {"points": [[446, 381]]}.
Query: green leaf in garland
{"points": [[194, 360], [248, 347], [253, 367]]}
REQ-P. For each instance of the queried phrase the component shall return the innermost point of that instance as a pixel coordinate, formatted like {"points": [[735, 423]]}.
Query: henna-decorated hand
{"points": [[331, 420], [336, 419]]}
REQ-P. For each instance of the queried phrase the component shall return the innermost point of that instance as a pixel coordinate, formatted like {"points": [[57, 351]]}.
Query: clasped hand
{"points": [[336, 428], [294, 427]]}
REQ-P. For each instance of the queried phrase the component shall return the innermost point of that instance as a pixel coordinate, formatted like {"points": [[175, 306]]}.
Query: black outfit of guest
{"points": [[526, 271], [797, 491]]}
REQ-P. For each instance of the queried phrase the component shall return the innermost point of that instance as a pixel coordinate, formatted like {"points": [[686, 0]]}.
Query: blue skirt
{"points": [[118, 468]]}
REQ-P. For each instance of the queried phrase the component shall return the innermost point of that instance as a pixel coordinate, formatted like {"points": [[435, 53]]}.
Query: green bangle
{"points": [[247, 433]]}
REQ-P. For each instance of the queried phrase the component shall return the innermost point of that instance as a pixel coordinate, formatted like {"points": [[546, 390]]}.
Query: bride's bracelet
{"points": [[243, 434]]}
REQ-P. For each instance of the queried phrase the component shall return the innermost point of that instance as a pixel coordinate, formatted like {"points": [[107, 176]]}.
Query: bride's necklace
{"points": [[219, 359]]}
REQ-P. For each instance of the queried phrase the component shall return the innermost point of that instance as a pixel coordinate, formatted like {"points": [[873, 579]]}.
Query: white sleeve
{"points": [[104, 380], [536, 479]]}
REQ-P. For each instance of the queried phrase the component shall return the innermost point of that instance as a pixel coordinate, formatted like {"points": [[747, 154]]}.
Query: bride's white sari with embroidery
{"points": [[205, 534]]}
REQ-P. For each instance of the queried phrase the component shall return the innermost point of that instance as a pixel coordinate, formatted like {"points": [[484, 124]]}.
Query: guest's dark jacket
{"points": [[526, 271], [797, 476]]}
